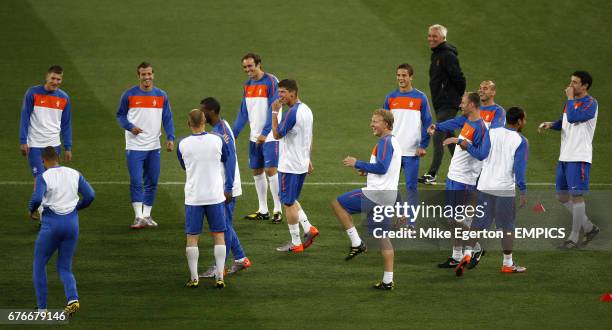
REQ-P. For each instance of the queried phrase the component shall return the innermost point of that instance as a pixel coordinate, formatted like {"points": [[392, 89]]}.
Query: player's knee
{"points": [[258, 171], [270, 171]]}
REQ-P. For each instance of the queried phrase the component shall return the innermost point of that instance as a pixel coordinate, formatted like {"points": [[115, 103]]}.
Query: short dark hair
{"points": [[406, 66], [210, 103], [196, 118], [256, 58], [514, 114], [585, 78], [474, 98], [289, 84], [49, 153], [55, 69], [143, 65]]}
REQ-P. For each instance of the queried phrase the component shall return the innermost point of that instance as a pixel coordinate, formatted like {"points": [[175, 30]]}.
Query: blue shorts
{"points": [[458, 193], [290, 186], [194, 218], [573, 177], [355, 202], [35, 159], [500, 209], [263, 156]]}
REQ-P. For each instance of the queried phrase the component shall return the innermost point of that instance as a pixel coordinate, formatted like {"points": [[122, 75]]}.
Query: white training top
{"points": [[294, 146], [62, 194], [498, 176]]}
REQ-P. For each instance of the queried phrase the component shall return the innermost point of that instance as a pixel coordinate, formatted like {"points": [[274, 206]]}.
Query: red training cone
{"points": [[606, 297], [539, 208]]}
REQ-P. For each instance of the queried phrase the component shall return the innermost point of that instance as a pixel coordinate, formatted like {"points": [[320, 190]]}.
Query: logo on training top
{"points": [[259, 91], [57, 103], [154, 102]]}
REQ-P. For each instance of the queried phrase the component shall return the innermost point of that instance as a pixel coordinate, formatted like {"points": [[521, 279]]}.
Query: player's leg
{"points": [[310, 231], [270, 152], [45, 246], [386, 249], [290, 186], [453, 194], [70, 230], [194, 217], [232, 242], [579, 185], [410, 166], [215, 215], [135, 163], [256, 163], [152, 167], [487, 203], [438, 152], [36, 166], [346, 204], [505, 218]]}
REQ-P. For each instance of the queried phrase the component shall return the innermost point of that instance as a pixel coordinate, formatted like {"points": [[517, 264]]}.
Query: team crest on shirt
{"points": [[154, 102], [260, 91]]}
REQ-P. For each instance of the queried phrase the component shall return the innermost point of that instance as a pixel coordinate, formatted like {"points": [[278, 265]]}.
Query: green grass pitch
{"points": [[343, 55]]}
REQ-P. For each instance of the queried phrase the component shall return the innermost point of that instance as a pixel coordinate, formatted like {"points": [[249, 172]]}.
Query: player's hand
{"points": [[349, 161], [25, 150], [450, 140], [277, 105], [35, 215], [228, 196], [68, 155], [362, 173], [420, 152], [544, 126], [136, 130], [310, 168], [569, 91], [522, 200], [431, 129], [169, 145], [260, 140]]}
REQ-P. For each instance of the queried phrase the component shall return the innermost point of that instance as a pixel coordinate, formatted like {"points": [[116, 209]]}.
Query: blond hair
{"points": [[386, 115]]}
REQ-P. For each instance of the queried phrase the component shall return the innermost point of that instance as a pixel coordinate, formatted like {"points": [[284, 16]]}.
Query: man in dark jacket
{"points": [[447, 85]]}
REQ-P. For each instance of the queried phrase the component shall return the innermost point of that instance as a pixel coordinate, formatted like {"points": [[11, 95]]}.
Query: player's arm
{"points": [[87, 192], [241, 119], [386, 104], [480, 150], [27, 107], [37, 195], [180, 155], [499, 119], [229, 163], [451, 125], [384, 154], [425, 123], [584, 112], [289, 119], [454, 72], [273, 96], [554, 125], [520, 165], [168, 124], [122, 111]]}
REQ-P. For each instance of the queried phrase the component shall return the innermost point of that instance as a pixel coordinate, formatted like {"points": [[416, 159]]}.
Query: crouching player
{"points": [[382, 172], [504, 151], [205, 157], [58, 189]]}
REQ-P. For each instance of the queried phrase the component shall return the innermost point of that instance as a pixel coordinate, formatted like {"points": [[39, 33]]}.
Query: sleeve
{"points": [[584, 112], [386, 104], [167, 119], [180, 155], [499, 119], [228, 157], [425, 123], [122, 111], [38, 194], [273, 88], [241, 119], [288, 122], [87, 192], [557, 125], [451, 124], [481, 151], [66, 126], [26, 111], [520, 165], [384, 154], [454, 72]]}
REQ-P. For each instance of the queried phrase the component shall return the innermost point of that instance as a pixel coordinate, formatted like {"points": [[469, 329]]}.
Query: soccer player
{"points": [[412, 117], [382, 172], [210, 168], [259, 92], [504, 152], [57, 190], [46, 114], [212, 109], [492, 114], [447, 84], [577, 126], [295, 135], [141, 112], [464, 168]]}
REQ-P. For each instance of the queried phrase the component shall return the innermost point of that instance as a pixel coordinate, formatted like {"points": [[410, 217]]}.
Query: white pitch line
{"points": [[176, 183]]}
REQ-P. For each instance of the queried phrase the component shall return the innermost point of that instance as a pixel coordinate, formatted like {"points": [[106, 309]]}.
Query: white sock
{"points": [[457, 252], [294, 230], [146, 210], [274, 190], [304, 220], [137, 209], [467, 251], [508, 260], [219, 253], [354, 236], [578, 215], [387, 277], [193, 253], [587, 225], [261, 186], [240, 260], [569, 206], [477, 247]]}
